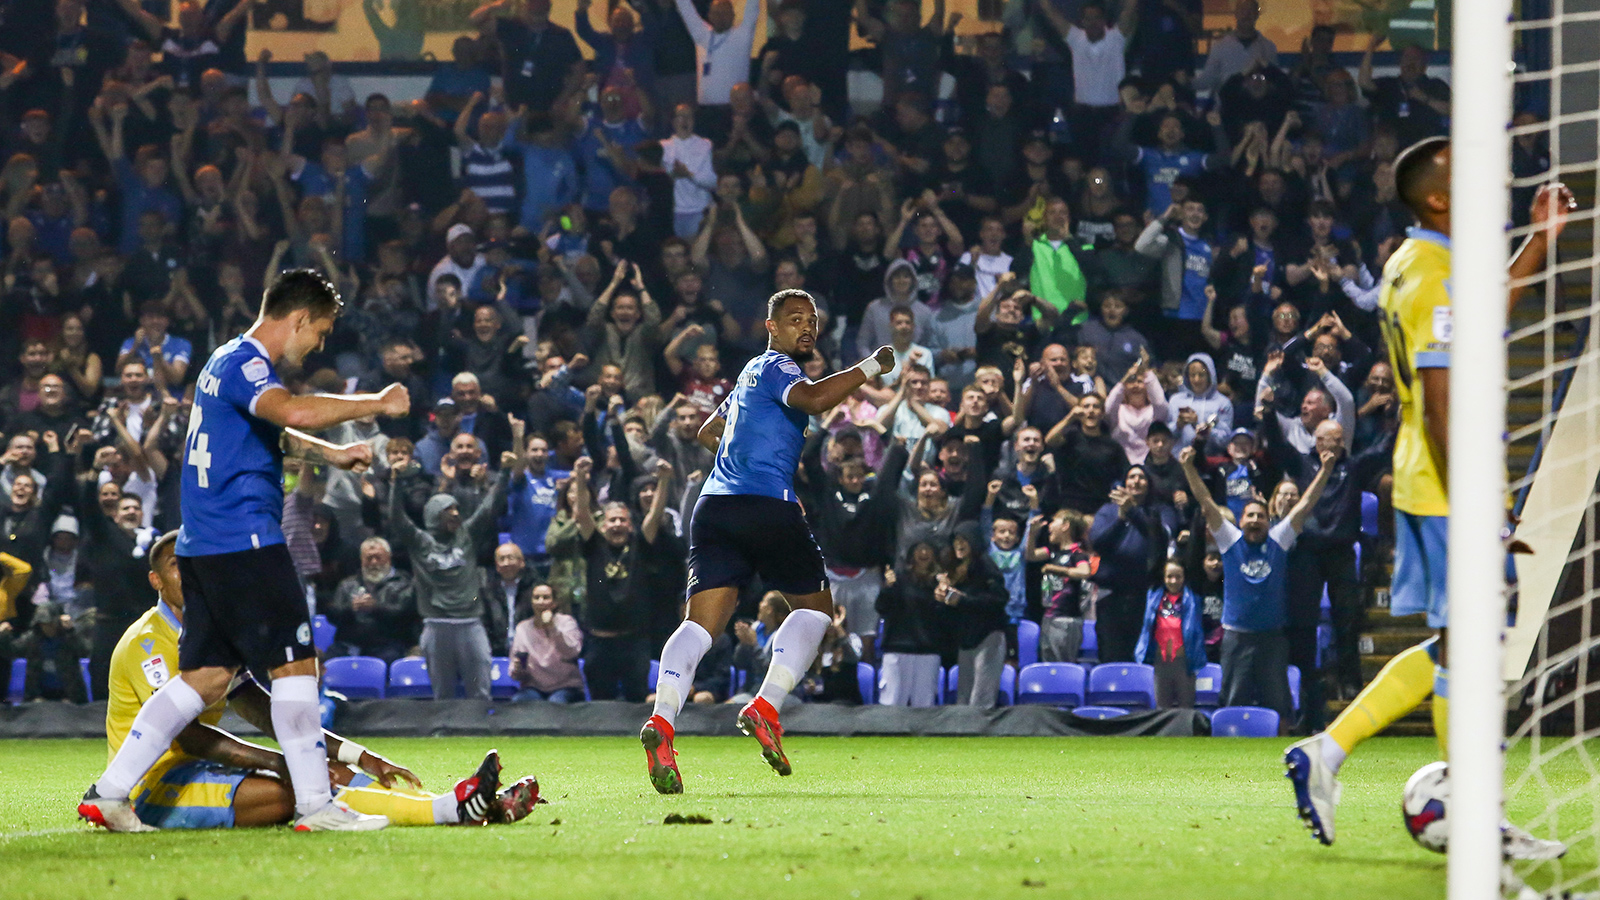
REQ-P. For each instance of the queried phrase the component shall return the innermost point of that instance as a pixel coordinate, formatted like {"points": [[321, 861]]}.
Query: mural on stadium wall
{"points": [[409, 30]]}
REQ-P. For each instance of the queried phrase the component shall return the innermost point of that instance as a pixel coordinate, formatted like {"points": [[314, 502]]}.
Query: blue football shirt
{"points": [[1255, 577], [761, 441], [232, 464]]}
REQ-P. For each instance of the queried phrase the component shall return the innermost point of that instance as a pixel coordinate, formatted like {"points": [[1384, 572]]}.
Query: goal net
{"points": [[1551, 440]]}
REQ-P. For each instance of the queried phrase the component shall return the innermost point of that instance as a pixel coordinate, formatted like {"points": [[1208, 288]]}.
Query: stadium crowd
{"points": [[1129, 288]]}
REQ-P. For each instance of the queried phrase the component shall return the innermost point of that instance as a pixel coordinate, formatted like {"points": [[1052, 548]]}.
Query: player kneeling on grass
{"points": [[212, 779]]}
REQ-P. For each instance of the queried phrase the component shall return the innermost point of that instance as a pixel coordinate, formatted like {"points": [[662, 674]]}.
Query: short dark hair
{"points": [[1413, 168], [776, 301], [168, 541], [297, 289]]}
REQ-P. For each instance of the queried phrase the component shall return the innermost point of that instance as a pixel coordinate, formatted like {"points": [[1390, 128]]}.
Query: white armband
{"points": [[870, 367], [350, 752]]}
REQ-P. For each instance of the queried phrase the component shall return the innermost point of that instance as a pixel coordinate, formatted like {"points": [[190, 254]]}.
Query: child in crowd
{"points": [[1172, 640], [1006, 542], [1085, 377], [1063, 588]]}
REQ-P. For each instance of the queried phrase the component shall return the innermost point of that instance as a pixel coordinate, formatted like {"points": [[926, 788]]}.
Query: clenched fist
{"points": [[395, 401]]}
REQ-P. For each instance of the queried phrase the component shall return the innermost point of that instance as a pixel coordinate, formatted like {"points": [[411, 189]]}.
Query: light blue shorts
{"points": [[1421, 572], [191, 794]]}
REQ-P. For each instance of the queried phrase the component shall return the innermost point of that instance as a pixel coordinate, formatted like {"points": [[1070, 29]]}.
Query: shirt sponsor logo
{"points": [[1256, 569], [256, 369], [155, 671]]}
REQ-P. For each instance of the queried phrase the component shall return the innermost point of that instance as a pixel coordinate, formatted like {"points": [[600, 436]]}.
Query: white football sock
{"points": [[297, 719], [794, 647], [679, 658], [446, 809], [168, 712]]}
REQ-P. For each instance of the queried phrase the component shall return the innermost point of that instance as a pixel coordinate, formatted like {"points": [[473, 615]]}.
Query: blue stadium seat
{"points": [[1369, 514], [1294, 687], [1244, 721], [1008, 685], [356, 677], [1208, 686], [88, 685], [1099, 712], [18, 680], [1051, 684], [1090, 649], [586, 695], [655, 674], [1027, 643], [322, 633], [938, 695], [408, 677], [1122, 684], [867, 680], [501, 684]]}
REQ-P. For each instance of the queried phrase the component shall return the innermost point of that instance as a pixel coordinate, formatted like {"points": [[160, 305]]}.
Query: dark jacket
{"points": [[913, 622], [1130, 548], [852, 530], [980, 606], [1336, 519], [391, 623], [1086, 468], [59, 655], [495, 614], [114, 561]]}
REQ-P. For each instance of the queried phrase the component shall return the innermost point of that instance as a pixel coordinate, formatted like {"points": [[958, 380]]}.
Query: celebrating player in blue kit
{"points": [[244, 605], [748, 522]]}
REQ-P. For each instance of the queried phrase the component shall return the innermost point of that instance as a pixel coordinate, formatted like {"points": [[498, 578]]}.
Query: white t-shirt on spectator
{"points": [[692, 194], [908, 424], [916, 353], [1097, 66], [987, 269]]}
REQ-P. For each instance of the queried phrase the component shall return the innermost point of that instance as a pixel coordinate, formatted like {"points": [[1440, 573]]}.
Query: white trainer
{"points": [[1316, 786], [1518, 844], [338, 817], [112, 815]]}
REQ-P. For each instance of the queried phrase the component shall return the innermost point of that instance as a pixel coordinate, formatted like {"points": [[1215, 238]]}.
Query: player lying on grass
{"points": [[1415, 312], [748, 521], [212, 779]]}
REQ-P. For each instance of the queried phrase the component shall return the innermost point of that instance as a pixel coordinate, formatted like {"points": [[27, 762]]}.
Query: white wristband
{"points": [[870, 367], [350, 752]]}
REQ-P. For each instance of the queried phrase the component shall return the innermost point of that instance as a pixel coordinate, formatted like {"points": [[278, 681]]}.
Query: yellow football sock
{"points": [[1399, 688], [402, 808], [1441, 709]]}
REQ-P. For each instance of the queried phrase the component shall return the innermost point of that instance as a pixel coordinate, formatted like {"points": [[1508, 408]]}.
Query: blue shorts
{"points": [[1421, 570], [191, 794], [733, 537]]}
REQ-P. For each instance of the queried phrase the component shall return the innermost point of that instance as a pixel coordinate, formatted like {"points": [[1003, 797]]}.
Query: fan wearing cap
{"points": [[61, 568], [461, 258]]}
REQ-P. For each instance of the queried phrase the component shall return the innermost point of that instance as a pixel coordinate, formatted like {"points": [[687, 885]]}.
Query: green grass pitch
{"points": [[931, 818]]}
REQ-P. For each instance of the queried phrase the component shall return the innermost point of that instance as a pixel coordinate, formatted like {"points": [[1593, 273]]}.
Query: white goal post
{"points": [[1479, 215]]}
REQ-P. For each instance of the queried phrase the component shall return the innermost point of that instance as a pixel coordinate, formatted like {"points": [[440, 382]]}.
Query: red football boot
{"points": [[656, 736], [759, 720]]}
